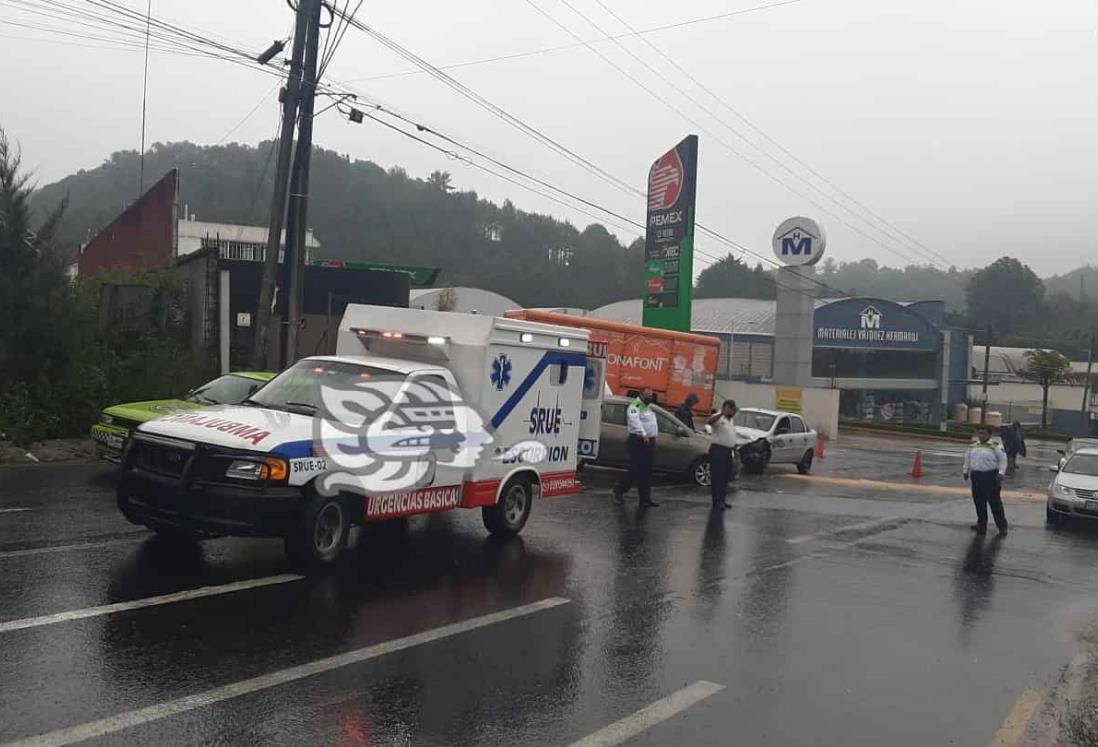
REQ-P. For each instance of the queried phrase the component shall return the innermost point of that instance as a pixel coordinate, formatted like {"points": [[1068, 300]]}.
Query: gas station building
{"points": [[891, 362]]}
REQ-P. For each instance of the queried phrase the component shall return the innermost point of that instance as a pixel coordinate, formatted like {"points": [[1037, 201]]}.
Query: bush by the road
{"points": [[56, 371]]}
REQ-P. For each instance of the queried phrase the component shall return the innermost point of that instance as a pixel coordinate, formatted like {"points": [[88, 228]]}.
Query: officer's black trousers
{"points": [[986, 491], [640, 467]]}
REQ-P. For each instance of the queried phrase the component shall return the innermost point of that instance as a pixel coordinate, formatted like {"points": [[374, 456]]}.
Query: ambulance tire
{"points": [[316, 541], [509, 515]]}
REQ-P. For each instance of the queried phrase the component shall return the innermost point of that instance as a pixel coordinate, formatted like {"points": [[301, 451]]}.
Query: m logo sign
{"points": [[799, 241], [871, 318]]}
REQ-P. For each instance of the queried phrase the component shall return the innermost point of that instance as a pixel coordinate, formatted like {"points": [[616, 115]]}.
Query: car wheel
{"points": [[174, 535], [701, 472], [509, 515], [318, 539], [805, 465]]}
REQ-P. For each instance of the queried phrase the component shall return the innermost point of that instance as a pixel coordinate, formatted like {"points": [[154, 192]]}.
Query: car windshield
{"points": [[760, 421], [1082, 464], [297, 389], [224, 390]]}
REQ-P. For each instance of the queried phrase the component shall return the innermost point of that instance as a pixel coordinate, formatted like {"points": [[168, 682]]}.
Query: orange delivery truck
{"points": [[673, 363]]}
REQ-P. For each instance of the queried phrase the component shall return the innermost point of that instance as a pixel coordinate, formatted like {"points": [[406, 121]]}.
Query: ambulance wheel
{"points": [[805, 465], [318, 538], [701, 472], [509, 515]]}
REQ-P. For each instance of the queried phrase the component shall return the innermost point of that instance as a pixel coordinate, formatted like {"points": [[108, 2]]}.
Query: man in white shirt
{"points": [[640, 445], [985, 463], [721, 448]]}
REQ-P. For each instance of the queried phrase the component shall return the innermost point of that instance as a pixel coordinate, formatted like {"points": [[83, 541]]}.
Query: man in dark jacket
{"points": [[685, 413], [1014, 444]]}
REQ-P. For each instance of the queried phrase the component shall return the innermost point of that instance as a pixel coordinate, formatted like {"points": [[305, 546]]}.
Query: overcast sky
{"points": [[969, 125]]}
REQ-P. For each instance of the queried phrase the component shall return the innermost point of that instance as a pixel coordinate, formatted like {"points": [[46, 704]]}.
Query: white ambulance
{"points": [[419, 411]]}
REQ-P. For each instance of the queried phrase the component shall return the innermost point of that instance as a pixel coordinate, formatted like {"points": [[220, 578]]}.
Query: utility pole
{"points": [[262, 355], [987, 366], [293, 269], [1086, 382]]}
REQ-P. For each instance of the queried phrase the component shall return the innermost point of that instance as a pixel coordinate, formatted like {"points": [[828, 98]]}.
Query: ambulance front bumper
{"points": [[187, 494]]}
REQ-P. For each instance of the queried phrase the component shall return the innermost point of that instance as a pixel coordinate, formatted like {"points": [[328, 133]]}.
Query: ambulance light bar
{"points": [[401, 336]]}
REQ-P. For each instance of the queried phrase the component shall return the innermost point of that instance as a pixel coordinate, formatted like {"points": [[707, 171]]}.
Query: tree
{"points": [[447, 300], [730, 277], [32, 280], [1006, 294], [1045, 367], [440, 180]]}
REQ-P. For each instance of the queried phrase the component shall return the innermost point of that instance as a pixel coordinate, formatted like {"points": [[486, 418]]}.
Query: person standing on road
{"points": [[685, 413], [1016, 448], [985, 464], [721, 454], [640, 445], [1007, 436]]}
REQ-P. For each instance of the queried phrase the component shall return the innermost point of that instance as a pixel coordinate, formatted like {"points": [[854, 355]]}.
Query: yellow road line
{"points": [[1014, 725], [912, 487]]}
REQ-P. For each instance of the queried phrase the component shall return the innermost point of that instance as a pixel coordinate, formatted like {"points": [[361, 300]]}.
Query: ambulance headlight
{"points": [[267, 469]]}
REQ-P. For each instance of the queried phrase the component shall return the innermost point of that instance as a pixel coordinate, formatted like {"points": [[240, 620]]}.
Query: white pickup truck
{"points": [[769, 436], [420, 411]]}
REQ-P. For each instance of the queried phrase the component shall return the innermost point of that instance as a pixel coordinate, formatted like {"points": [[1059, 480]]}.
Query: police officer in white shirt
{"points": [[721, 453], [640, 444], [985, 463]]}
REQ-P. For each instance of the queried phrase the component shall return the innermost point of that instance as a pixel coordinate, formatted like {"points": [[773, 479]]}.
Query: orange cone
{"points": [[821, 443], [917, 468]]}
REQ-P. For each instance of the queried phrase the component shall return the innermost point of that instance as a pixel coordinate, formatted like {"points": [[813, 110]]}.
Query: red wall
{"points": [[140, 237]]}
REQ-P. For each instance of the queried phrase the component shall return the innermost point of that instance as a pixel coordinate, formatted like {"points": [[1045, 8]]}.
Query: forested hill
{"points": [[358, 210]]}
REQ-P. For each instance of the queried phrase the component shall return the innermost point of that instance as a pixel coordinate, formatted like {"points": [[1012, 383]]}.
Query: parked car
{"points": [[116, 422], [770, 437], [681, 450], [1075, 445], [1074, 490]]}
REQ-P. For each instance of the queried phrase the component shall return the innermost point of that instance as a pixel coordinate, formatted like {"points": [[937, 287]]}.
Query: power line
{"points": [[250, 113], [541, 137], [663, 100], [144, 99], [743, 118], [566, 47]]}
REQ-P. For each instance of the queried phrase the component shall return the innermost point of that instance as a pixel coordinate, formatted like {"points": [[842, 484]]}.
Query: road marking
{"points": [[67, 548], [650, 715], [1014, 725], [179, 596], [14, 510], [872, 524], [116, 723], [910, 487]]}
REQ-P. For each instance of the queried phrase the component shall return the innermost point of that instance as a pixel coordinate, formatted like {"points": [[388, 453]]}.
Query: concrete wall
{"points": [[821, 406], [1022, 401]]}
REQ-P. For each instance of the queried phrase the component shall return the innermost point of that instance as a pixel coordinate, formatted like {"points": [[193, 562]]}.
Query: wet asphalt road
{"points": [[830, 612]]}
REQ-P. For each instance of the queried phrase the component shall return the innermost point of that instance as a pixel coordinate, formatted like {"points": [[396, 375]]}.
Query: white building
{"points": [[233, 241]]}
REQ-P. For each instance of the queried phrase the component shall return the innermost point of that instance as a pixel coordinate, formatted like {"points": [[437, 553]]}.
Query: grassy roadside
{"points": [[48, 452]]}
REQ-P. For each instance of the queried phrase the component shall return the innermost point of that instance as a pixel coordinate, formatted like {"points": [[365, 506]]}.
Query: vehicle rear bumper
{"points": [[154, 500]]}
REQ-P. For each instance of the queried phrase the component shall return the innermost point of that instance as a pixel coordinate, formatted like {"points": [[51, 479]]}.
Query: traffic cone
{"points": [[917, 468], [821, 443]]}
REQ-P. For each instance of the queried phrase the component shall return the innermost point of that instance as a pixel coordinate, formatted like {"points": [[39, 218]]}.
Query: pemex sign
{"points": [[669, 237]]}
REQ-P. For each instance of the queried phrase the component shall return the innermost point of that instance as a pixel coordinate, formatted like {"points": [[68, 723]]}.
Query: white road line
{"points": [[650, 715], [121, 721], [873, 524], [14, 510], [68, 548], [179, 596]]}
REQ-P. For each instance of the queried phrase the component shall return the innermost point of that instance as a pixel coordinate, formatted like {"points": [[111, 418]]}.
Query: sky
{"points": [[944, 132]]}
